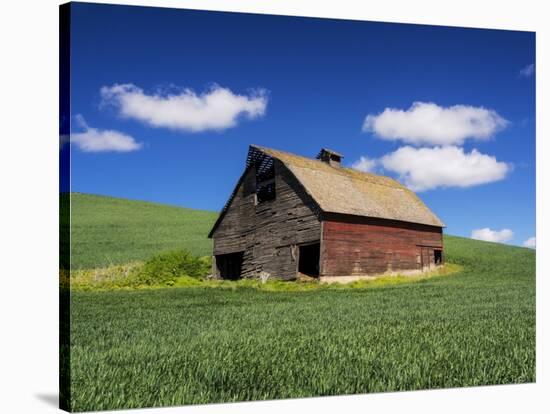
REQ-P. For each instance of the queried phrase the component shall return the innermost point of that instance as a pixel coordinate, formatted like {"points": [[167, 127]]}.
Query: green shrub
{"points": [[165, 268]]}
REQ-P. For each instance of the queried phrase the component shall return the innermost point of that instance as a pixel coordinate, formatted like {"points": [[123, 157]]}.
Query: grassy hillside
{"points": [[184, 346], [108, 230]]}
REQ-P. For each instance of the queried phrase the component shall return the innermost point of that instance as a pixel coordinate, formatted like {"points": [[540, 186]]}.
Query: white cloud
{"points": [[216, 109], [102, 140], [429, 123], [428, 168], [364, 164], [527, 71], [497, 236], [531, 242]]}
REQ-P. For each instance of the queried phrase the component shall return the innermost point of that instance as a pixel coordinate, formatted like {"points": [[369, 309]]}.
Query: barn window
{"points": [[265, 191], [438, 257]]}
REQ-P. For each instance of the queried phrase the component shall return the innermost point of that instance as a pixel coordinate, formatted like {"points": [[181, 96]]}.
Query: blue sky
{"points": [[165, 103]]}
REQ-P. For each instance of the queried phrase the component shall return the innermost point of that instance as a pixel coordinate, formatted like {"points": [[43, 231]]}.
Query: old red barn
{"points": [[291, 215]]}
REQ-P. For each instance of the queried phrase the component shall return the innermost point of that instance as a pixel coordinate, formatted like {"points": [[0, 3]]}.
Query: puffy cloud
{"points": [[216, 109], [428, 123], [527, 71], [531, 242], [497, 236], [364, 164], [102, 140], [428, 168]]}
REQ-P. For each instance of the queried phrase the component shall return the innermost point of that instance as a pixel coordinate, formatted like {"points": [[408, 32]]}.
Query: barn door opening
{"points": [[230, 265], [308, 259], [430, 257], [438, 257]]}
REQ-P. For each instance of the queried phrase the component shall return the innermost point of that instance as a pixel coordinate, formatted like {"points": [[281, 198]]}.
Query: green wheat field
{"points": [[190, 345], [109, 230]]}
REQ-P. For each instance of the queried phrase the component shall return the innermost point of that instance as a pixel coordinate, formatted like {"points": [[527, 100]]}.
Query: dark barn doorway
{"points": [[438, 257], [309, 256], [230, 265]]}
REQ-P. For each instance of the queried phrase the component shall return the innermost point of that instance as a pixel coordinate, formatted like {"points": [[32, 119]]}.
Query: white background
{"points": [[29, 202]]}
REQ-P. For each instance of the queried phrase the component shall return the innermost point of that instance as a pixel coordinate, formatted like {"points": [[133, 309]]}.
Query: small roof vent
{"points": [[332, 158]]}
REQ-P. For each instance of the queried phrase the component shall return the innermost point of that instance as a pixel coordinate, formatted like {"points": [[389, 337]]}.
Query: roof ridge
{"points": [[339, 169]]}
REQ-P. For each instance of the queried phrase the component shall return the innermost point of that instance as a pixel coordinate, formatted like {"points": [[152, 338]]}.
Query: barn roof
{"points": [[343, 190], [347, 191]]}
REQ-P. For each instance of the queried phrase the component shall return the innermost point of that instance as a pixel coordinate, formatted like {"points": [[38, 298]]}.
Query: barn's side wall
{"points": [[366, 246], [268, 231]]}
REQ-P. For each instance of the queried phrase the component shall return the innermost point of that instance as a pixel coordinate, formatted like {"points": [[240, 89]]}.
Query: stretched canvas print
{"points": [[264, 207]]}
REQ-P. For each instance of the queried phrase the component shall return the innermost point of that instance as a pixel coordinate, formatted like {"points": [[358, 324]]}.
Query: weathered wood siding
{"points": [[268, 231], [363, 246]]}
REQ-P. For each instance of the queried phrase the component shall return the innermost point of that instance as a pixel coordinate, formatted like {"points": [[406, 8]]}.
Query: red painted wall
{"points": [[362, 246]]}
